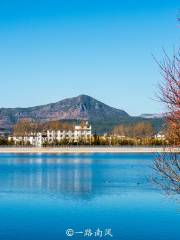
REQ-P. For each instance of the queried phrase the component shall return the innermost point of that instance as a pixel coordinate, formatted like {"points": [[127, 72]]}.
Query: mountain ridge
{"points": [[82, 107]]}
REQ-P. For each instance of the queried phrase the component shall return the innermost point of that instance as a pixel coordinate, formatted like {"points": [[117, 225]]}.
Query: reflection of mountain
{"points": [[75, 176]]}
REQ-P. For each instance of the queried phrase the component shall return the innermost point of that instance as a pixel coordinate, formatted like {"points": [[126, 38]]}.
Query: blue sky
{"points": [[50, 50]]}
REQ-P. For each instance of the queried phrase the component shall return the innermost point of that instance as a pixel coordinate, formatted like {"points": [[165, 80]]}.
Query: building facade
{"points": [[79, 133]]}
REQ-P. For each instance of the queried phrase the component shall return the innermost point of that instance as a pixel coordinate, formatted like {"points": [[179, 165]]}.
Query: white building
{"points": [[80, 132], [160, 136]]}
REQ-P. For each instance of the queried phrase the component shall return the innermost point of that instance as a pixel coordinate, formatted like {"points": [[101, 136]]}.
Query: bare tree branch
{"points": [[167, 164]]}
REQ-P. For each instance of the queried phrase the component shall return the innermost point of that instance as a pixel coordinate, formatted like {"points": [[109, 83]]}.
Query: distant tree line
{"points": [[136, 134], [25, 126], [96, 140], [4, 141], [136, 130]]}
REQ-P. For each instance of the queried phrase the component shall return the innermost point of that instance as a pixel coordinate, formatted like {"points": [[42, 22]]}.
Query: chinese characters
{"points": [[88, 233]]}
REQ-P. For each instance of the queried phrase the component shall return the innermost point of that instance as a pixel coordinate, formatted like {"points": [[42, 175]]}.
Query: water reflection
{"points": [[77, 175]]}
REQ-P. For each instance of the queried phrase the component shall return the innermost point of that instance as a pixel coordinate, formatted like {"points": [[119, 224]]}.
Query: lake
{"points": [[95, 196]]}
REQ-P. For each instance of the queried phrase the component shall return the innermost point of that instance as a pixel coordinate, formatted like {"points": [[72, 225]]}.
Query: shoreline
{"points": [[84, 149]]}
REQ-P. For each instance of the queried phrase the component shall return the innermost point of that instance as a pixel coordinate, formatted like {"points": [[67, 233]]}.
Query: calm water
{"points": [[43, 195]]}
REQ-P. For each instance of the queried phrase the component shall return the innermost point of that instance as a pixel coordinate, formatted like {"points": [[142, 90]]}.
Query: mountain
{"points": [[101, 116], [146, 115]]}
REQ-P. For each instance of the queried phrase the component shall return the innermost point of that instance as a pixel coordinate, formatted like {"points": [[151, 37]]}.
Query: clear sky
{"points": [[53, 49]]}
